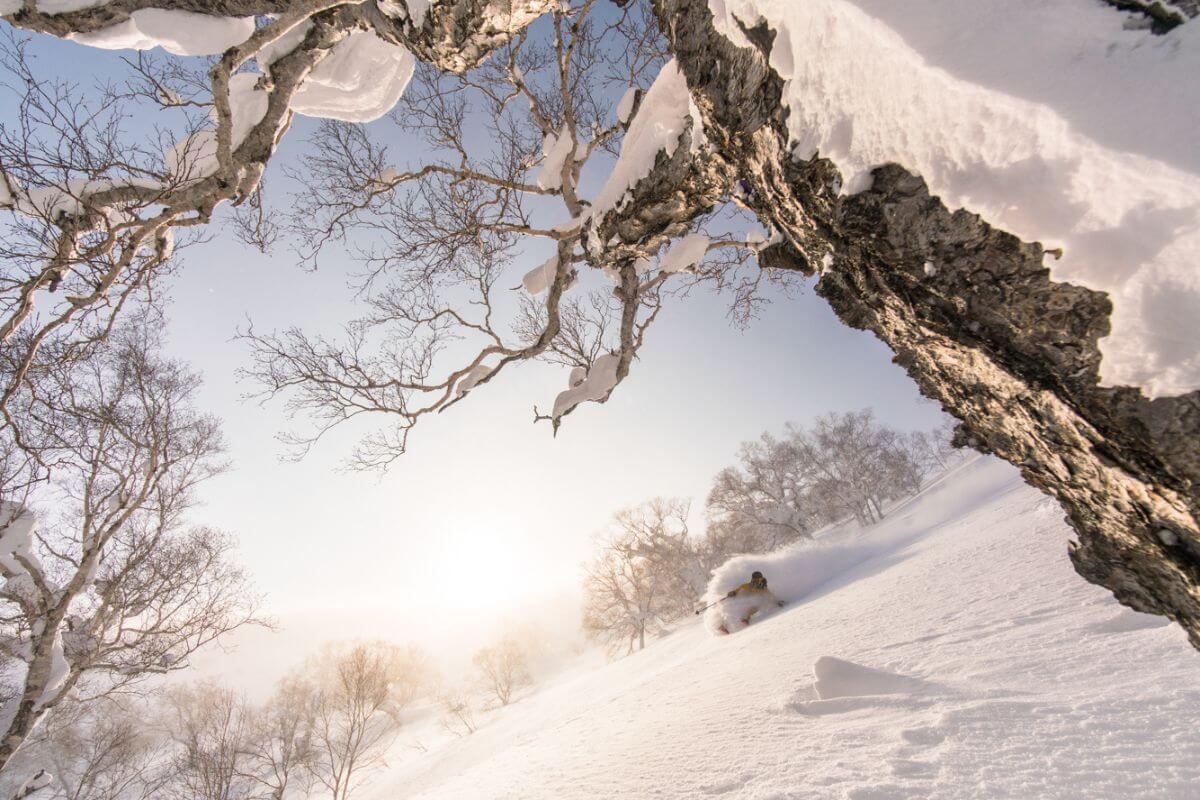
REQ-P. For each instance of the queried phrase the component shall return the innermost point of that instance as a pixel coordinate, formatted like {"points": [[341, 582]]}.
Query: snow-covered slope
{"points": [[953, 655]]}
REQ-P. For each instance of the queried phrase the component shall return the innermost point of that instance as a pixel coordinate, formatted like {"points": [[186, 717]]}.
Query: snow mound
{"points": [[836, 678], [1047, 118], [1127, 621]]}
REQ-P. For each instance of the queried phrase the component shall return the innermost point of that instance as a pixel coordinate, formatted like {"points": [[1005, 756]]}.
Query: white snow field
{"points": [[950, 652]]}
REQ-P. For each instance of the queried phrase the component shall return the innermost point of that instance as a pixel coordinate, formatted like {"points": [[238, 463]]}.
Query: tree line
{"points": [[649, 569], [324, 731]]}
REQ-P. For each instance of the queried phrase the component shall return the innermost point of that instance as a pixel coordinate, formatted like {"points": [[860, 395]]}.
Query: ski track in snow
{"points": [[961, 659]]}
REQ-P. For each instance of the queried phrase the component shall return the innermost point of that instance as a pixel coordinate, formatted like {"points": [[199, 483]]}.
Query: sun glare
{"points": [[485, 568]]}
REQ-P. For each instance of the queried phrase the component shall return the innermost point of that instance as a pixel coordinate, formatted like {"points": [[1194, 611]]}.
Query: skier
{"points": [[755, 596]]}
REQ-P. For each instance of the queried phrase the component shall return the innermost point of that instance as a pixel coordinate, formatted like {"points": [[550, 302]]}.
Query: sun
{"points": [[487, 569]]}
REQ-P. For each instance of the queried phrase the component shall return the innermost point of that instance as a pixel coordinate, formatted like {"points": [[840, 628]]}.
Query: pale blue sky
{"points": [[487, 513]]}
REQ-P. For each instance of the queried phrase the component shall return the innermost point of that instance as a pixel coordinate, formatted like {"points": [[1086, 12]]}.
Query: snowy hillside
{"points": [[948, 653]]}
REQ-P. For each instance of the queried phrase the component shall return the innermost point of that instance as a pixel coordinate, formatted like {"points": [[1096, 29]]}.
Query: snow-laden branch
{"points": [[556, 102], [95, 215], [439, 235]]}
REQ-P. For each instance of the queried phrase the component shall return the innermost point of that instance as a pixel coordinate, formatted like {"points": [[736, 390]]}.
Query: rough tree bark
{"points": [[1007, 351], [1162, 15]]}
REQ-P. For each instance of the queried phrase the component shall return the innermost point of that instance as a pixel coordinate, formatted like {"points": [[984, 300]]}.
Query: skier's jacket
{"points": [[750, 587]]}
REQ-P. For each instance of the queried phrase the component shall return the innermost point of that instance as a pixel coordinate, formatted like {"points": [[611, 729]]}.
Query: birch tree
{"points": [[210, 726], [503, 669], [647, 572], [104, 584], [444, 237], [765, 502], [358, 693]]}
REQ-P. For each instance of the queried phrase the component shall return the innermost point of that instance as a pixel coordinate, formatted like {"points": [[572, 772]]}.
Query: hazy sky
{"points": [[488, 515], [489, 512]]}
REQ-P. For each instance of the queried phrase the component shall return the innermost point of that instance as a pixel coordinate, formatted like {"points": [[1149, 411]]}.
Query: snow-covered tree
{"points": [[96, 210], [503, 668], [763, 503], [357, 693], [496, 198], [844, 465], [459, 219], [858, 464], [103, 583], [933, 450], [657, 530], [647, 572]]}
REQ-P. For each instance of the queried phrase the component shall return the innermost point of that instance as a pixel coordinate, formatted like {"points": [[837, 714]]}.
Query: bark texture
{"points": [[1009, 352], [454, 34], [1163, 15]]}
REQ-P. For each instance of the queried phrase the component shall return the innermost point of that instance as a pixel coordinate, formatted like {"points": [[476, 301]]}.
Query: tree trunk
{"points": [[1007, 351]]}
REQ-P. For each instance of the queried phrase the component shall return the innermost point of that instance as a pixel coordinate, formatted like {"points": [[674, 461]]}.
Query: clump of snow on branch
{"points": [[472, 378], [595, 386], [360, 81], [625, 106], [538, 279], [684, 253], [196, 156], [556, 148], [659, 123], [17, 559], [271, 52], [183, 33], [414, 10], [1065, 145]]}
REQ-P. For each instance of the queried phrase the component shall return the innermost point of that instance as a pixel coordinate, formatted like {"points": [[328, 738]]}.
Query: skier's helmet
{"points": [[757, 576]]}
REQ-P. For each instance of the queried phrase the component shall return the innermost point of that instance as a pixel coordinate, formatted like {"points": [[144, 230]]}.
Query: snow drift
{"points": [[836, 677]]}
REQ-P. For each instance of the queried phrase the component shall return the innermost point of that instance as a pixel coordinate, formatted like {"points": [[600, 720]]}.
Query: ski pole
{"points": [[710, 605]]}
